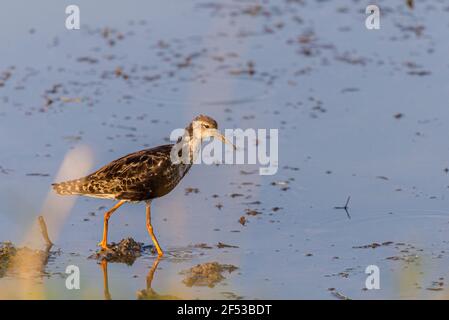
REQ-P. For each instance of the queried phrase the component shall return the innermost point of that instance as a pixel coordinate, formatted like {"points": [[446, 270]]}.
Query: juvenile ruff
{"points": [[143, 175]]}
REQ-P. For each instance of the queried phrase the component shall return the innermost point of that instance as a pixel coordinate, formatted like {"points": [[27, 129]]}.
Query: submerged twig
{"points": [[44, 232], [345, 207]]}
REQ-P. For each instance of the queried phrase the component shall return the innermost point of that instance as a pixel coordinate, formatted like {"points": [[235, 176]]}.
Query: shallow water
{"points": [[360, 113]]}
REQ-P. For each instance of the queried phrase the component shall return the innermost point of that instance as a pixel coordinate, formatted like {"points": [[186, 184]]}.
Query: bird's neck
{"points": [[189, 145]]}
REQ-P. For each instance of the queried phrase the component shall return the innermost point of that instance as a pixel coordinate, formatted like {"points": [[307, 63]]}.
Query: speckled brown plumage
{"points": [[139, 176]]}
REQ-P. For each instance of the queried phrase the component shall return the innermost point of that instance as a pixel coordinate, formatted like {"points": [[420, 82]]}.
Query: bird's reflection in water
{"points": [[146, 294], [104, 268]]}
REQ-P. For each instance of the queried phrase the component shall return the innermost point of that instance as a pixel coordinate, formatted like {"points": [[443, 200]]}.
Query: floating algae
{"points": [[206, 274]]}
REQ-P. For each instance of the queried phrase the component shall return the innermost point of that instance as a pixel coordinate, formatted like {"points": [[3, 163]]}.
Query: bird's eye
{"points": [[206, 126]]}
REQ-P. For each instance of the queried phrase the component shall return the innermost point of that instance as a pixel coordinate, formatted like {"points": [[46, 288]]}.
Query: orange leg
{"points": [[107, 215], [150, 230], [104, 268], [150, 274]]}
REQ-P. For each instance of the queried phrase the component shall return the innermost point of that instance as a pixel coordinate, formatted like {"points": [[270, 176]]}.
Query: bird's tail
{"points": [[71, 187]]}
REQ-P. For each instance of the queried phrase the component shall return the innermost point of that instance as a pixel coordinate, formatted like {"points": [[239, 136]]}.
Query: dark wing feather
{"points": [[132, 173], [132, 177]]}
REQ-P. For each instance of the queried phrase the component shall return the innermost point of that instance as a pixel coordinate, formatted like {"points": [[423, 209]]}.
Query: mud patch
{"points": [[126, 251], [13, 258], [206, 274]]}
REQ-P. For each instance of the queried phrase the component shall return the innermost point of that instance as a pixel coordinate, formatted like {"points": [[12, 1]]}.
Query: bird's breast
{"points": [[168, 179]]}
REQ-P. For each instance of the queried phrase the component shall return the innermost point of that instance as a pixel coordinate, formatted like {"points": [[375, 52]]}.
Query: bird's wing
{"points": [[129, 173]]}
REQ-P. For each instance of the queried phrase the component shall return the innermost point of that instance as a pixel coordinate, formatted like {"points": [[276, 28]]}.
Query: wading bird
{"points": [[144, 175]]}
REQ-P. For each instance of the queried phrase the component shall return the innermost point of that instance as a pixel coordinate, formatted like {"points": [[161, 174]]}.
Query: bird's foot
{"points": [[160, 253]]}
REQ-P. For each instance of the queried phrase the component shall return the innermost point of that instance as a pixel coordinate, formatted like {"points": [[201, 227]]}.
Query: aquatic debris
{"points": [[343, 274], [405, 257], [88, 60], [257, 202], [111, 36], [206, 274], [25, 260], [219, 206], [338, 295], [345, 207], [5, 76], [11, 258], [37, 174], [222, 245], [407, 252], [374, 245], [250, 212], [4, 170], [73, 139], [437, 285], [120, 74], [187, 62], [126, 251], [231, 295], [420, 73], [49, 96], [345, 90], [243, 172], [253, 10], [235, 195], [7, 250], [415, 69], [202, 246], [191, 190], [249, 70], [348, 58], [282, 184], [44, 231], [416, 29], [70, 99], [290, 168]]}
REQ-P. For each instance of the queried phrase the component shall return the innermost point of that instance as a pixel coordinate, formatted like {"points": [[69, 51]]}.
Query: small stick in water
{"points": [[44, 231], [345, 207]]}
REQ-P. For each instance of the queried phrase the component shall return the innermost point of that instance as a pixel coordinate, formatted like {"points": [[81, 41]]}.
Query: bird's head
{"points": [[204, 127]]}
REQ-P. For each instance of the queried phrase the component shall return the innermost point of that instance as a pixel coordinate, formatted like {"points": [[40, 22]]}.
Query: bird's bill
{"points": [[217, 134]]}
